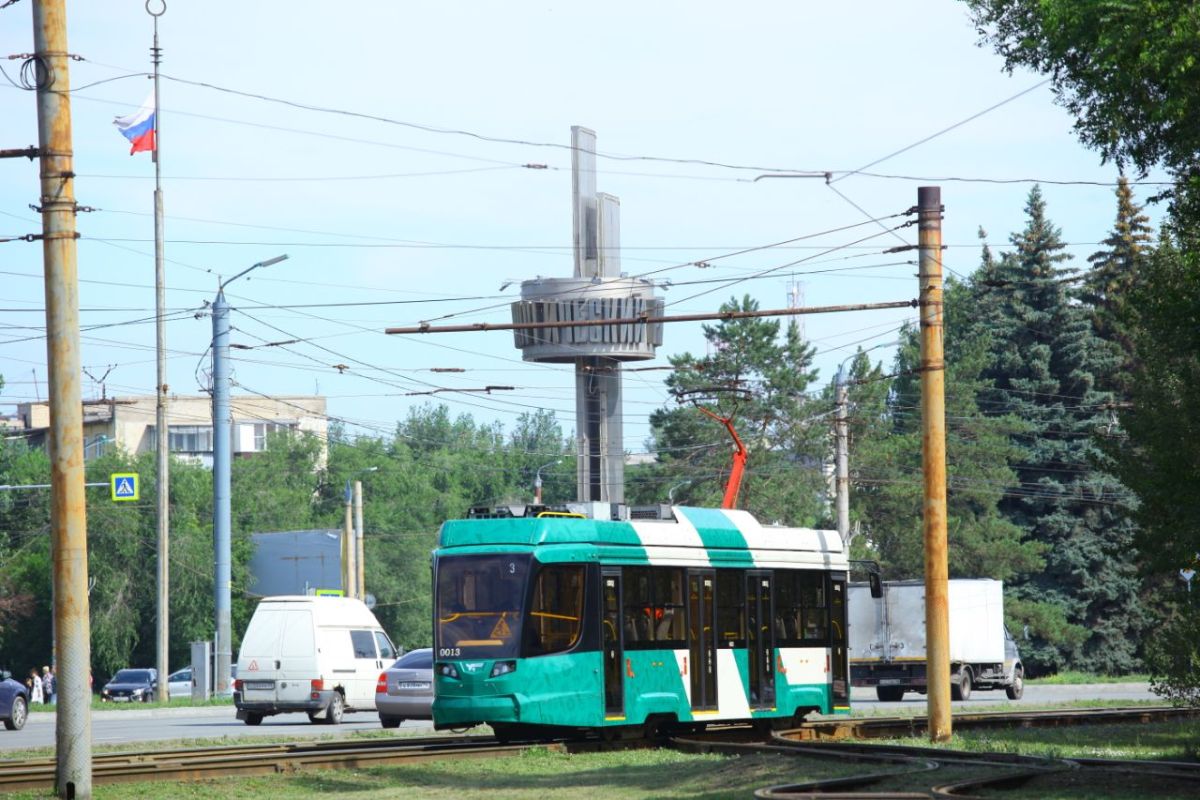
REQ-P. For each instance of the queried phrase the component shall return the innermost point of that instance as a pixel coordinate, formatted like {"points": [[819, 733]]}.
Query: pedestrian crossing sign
{"points": [[124, 486]]}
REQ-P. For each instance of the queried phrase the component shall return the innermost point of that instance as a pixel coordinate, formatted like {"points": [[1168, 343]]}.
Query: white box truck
{"points": [[319, 655], [887, 639]]}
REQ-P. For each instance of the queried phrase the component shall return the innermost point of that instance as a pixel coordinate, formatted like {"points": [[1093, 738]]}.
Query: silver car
{"points": [[405, 689]]}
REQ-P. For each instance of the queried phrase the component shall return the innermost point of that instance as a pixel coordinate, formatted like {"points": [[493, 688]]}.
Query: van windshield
{"points": [[479, 601]]}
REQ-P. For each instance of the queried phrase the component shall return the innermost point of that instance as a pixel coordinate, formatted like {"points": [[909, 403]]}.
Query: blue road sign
{"points": [[124, 486]]}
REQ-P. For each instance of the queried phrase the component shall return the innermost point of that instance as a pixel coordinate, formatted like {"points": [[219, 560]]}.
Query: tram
{"points": [[592, 617]]}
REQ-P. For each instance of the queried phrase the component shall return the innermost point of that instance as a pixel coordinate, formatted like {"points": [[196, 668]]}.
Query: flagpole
{"points": [[162, 432]]}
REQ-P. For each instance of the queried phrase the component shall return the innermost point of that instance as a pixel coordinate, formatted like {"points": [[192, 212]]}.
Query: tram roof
{"points": [[694, 536]]}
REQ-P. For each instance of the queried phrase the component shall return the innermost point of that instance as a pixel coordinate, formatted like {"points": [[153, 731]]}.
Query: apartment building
{"points": [[129, 422]]}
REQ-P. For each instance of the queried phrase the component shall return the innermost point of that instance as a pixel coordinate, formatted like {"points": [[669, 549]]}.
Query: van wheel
{"points": [[390, 722], [253, 718], [1017, 687], [889, 694], [337, 707]]}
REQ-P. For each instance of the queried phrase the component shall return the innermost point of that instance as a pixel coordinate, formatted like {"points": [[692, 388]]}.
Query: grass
{"points": [[622, 775], [1077, 678], [1177, 740], [99, 705], [667, 774]]}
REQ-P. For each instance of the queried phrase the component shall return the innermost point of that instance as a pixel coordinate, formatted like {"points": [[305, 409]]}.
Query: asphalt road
{"points": [[864, 701], [216, 722], [207, 722]]}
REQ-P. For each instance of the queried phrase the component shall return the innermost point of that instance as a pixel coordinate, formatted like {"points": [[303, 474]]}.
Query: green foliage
{"points": [[435, 468], [1161, 459], [1173, 655], [887, 492], [1127, 71], [1116, 272], [784, 430], [1046, 366], [432, 469]]}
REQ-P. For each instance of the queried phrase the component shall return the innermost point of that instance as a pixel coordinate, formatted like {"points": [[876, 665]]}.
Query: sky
{"points": [[426, 211]]}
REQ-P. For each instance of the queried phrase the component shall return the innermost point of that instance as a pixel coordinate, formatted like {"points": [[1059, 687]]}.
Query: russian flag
{"points": [[138, 127]]}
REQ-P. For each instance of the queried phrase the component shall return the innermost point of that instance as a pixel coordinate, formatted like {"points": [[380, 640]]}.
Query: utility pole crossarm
{"points": [[649, 320]]}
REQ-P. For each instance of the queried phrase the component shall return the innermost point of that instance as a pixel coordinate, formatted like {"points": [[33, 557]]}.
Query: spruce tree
{"points": [[1046, 367], [886, 484], [1116, 271]]}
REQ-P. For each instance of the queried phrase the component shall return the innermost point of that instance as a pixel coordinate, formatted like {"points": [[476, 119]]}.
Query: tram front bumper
{"points": [[463, 712]]}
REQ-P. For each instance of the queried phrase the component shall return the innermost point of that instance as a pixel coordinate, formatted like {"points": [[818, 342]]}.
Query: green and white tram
{"points": [[631, 619]]}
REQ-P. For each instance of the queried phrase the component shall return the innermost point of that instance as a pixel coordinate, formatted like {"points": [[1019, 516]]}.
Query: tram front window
{"points": [[479, 602]]}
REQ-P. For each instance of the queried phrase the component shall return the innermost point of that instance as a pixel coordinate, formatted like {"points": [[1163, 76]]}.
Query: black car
{"points": [[14, 702], [130, 685]]}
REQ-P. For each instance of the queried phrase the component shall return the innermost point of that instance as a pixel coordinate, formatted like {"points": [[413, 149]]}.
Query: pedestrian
{"points": [[49, 685], [35, 687]]}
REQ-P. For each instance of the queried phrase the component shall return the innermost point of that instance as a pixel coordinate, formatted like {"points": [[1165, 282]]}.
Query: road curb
{"points": [[42, 717]]}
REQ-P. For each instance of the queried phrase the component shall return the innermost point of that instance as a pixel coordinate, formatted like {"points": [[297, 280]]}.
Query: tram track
{"points": [[194, 764], [836, 739], [991, 772]]}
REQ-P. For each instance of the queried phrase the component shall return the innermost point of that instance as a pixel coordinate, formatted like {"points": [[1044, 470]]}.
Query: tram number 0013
{"points": [[449, 652]]}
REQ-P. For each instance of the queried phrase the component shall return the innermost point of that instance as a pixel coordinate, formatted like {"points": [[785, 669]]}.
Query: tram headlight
{"points": [[503, 668], [448, 670]]}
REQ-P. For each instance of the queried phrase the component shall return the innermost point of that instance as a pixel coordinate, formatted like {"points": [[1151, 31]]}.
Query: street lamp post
{"points": [[537, 481], [222, 517]]}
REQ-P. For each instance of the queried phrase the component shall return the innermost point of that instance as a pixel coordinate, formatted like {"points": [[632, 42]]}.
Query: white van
{"points": [[320, 655]]}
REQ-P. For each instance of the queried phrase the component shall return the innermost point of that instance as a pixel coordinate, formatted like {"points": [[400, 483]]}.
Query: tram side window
{"points": [[556, 610], [731, 619], [653, 606], [801, 607]]}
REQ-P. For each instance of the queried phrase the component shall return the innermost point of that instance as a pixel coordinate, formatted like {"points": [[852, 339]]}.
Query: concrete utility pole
{"points": [[348, 548], [68, 513], [933, 462], [222, 513], [842, 478], [162, 479], [360, 584]]}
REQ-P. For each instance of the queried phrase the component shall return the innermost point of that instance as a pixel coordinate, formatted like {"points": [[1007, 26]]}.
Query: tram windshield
{"points": [[479, 601]]}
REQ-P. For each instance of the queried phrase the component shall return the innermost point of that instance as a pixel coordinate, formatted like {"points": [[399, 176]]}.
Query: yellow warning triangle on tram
{"points": [[501, 631]]}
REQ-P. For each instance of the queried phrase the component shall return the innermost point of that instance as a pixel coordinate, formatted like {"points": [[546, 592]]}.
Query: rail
{"points": [[837, 739]]}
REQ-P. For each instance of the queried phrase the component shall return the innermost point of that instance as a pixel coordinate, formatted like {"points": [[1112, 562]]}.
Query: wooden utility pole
{"points": [[68, 513], [933, 461]]}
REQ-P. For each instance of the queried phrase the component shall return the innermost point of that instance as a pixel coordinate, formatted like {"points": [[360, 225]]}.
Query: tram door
{"points": [[614, 696], [837, 645], [760, 644], [702, 642]]}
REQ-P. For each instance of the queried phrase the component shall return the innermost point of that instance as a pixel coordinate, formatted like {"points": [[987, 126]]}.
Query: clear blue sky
{"points": [[372, 211]]}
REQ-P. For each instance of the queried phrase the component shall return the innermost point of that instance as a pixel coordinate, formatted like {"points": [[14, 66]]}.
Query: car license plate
{"points": [[260, 685], [412, 685], [889, 681], [120, 699]]}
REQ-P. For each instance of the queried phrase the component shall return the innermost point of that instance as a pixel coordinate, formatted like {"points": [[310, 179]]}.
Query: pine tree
{"points": [[1046, 367], [785, 430]]}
